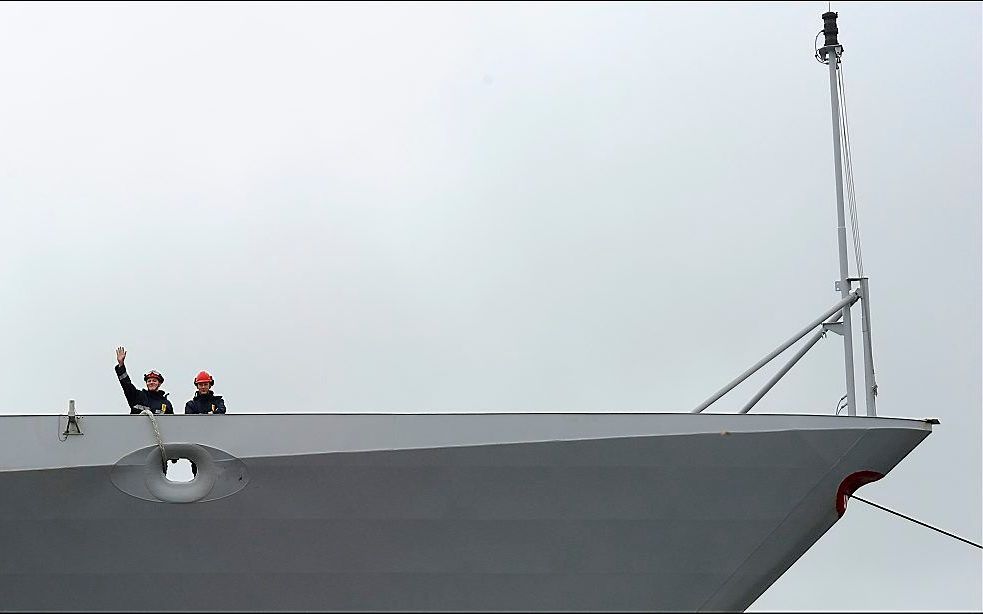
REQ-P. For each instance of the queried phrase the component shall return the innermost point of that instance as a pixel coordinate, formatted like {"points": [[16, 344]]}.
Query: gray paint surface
{"points": [[35, 442], [670, 522]]}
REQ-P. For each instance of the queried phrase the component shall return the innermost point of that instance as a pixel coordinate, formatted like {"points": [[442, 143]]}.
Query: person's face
{"points": [[203, 387], [153, 383]]}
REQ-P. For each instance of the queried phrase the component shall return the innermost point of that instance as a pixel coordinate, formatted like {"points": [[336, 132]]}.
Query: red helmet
{"points": [[204, 377], [152, 373]]}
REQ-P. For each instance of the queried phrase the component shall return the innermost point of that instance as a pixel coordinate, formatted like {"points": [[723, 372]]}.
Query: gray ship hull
{"points": [[424, 511]]}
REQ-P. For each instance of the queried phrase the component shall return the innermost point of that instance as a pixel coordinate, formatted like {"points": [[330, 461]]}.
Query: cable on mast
{"points": [[848, 175]]}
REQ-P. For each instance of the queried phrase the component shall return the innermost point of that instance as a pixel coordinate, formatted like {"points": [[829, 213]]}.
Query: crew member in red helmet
{"points": [[205, 401]]}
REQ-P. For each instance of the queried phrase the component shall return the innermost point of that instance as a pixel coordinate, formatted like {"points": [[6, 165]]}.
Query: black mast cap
{"points": [[830, 29]]}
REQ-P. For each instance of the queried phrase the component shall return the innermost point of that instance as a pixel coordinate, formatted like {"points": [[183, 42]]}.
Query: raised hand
{"points": [[120, 354]]}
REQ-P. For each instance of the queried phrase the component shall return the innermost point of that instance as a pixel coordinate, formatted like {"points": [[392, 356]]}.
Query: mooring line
{"points": [[917, 521]]}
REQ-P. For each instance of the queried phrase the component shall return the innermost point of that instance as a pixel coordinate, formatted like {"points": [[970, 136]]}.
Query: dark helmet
{"points": [[152, 373]]}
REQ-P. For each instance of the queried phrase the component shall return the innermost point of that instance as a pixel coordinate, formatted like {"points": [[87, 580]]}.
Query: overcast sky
{"points": [[507, 207]]}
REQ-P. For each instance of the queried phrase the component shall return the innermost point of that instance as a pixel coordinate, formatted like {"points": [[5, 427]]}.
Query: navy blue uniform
{"points": [[154, 400], [208, 403]]}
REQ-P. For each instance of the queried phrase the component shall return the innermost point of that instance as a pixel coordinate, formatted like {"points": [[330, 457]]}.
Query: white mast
{"points": [[831, 52]]}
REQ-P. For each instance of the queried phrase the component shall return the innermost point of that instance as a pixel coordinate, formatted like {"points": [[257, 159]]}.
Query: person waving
{"points": [[152, 397]]}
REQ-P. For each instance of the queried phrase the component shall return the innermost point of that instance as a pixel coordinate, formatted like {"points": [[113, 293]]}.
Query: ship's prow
{"points": [[426, 511]]}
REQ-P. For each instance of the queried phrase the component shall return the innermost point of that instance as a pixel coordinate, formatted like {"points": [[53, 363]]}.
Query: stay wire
{"points": [[881, 507], [850, 187], [848, 163]]}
